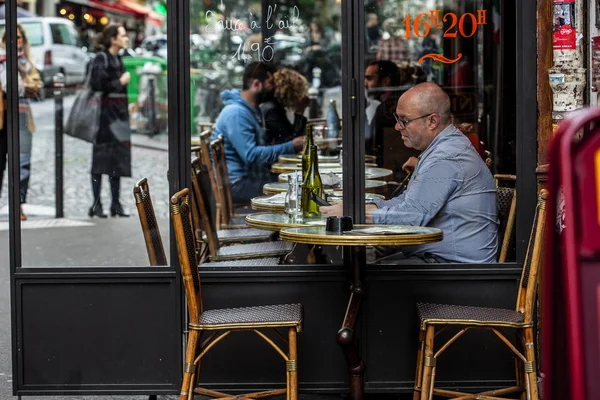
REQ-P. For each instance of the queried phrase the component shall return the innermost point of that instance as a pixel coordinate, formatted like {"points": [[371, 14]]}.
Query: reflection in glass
{"points": [[131, 144], [302, 47], [456, 45]]}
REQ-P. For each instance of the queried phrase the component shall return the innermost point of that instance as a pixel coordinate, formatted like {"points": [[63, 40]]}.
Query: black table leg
{"points": [[345, 336]]}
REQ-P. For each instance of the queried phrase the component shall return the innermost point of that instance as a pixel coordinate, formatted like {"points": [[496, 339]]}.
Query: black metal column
{"points": [[59, 84]]}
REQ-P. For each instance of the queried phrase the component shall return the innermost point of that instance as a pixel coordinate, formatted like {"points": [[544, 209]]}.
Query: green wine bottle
{"points": [[312, 184], [308, 143]]}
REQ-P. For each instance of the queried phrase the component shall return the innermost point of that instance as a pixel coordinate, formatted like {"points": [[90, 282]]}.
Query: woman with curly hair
{"points": [[283, 118]]}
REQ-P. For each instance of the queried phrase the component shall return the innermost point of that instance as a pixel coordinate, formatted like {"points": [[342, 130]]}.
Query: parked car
{"points": [[55, 47]]}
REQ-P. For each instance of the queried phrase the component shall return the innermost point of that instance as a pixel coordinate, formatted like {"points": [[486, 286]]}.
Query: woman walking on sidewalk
{"points": [[29, 83], [112, 152]]}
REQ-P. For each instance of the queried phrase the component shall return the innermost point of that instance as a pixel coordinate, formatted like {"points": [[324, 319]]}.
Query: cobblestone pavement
{"points": [[146, 162]]}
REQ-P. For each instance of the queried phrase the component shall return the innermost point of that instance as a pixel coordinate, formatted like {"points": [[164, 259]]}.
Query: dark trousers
{"points": [[244, 189], [115, 186]]}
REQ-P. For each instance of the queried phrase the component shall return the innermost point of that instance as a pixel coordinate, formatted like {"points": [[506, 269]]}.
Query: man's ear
{"points": [[387, 81], [435, 121]]}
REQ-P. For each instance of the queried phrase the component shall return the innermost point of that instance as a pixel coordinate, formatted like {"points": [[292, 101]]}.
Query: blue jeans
{"points": [[244, 189]]}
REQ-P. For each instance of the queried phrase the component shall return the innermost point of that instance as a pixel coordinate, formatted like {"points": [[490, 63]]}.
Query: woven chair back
{"points": [[528, 286], [209, 166], [202, 204], [186, 249], [154, 244], [507, 210], [222, 175]]}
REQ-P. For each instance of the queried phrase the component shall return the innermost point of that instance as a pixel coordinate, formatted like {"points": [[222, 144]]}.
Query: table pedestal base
{"points": [[345, 336]]}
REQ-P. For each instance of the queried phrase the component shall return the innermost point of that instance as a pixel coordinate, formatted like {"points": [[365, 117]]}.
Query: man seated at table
{"points": [[240, 123], [451, 188]]}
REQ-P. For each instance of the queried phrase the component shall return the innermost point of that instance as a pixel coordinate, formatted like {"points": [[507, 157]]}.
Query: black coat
{"points": [[112, 151], [277, 127]]}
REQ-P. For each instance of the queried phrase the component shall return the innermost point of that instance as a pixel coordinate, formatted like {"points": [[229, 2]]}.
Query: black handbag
{"points": [[84, 119]]}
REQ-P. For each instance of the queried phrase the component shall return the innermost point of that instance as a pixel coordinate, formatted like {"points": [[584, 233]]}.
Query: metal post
{"points": [[58, 84]]}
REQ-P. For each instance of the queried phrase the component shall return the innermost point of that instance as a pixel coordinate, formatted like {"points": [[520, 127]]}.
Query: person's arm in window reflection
{"points": [[425, 196], [242, 137]]}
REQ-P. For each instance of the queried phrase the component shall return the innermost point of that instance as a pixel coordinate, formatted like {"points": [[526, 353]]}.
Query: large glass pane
{"points": [[456, 45], [99, 224], [298, 83]]}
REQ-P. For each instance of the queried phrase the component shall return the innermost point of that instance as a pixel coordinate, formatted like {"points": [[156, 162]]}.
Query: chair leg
{"points": [[292, 365], [429, 363], [419, 368], [521, 377], [530, 367], [187, 386], [152, 397]]}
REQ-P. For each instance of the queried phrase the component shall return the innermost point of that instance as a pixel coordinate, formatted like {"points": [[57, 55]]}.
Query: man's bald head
{"points": [[428, 98], [423, 112]]}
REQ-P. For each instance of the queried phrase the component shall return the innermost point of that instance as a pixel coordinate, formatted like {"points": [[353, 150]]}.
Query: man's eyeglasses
{"points": [[404, 122]]}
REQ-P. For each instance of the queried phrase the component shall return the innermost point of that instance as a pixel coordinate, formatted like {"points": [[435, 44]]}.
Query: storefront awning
{"points": [[155, 18], [121, 7]]}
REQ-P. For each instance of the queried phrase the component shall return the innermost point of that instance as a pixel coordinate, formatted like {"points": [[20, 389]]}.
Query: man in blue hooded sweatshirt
{"points": [[240, 123]]}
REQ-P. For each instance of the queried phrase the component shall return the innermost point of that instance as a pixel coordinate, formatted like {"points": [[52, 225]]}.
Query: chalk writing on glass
{"points": [[466, 26], [248, 52]]}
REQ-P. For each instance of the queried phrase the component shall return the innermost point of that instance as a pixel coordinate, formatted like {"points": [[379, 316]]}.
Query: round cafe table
{"points": [[371, 186], [371, 235], [266, 203], [294, 158], [278, 221], [279, 168], [370, 173]]}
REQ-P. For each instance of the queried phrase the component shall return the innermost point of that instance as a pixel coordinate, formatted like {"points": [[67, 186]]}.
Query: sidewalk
{"points": [[158, 142]]}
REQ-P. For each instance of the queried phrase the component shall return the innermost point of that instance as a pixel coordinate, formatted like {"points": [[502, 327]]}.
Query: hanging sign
{"points": [[565, 35]]}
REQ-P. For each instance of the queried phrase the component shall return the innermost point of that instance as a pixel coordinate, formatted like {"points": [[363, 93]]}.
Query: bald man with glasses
{"points": [[451, 188]]}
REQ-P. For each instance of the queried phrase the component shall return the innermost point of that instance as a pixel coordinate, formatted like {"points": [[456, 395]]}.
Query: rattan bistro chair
{"points": [[224, 236], [229, 218], [154, 245], [507, 212], [143, 202], [216, 252], [220, 323], [441, 316]]}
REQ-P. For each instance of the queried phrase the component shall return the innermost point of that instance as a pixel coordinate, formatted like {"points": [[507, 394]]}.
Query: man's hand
{"points": [[298, 142], [337, 209], [410, 165], [334, 210]]}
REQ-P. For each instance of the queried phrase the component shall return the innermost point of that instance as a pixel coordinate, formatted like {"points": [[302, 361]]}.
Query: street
{"points": [[146, 162]]}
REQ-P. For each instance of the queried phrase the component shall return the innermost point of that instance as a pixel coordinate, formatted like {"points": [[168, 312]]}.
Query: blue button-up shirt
{"points": [[453, 190]]}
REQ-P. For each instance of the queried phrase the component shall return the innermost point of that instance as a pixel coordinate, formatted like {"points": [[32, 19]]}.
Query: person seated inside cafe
{"points": [[380, 78], [240, 124], [283, 116], [450, 188]]}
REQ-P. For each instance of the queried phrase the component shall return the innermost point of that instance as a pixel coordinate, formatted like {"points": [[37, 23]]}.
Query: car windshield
{"points": [[34, 32]]}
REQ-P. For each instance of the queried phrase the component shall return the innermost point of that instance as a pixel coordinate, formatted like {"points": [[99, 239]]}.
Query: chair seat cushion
{"points": [[446, 314], [253, 262], [241, 235], [256, 250], [272, 316]]}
